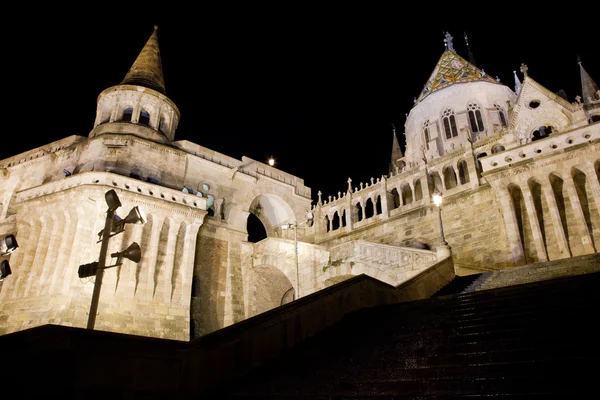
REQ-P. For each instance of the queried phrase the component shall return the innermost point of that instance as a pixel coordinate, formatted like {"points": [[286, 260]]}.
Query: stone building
{"points": [[519, 171]]}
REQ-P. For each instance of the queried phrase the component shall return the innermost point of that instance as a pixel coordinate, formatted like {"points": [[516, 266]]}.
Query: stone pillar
{"points": [[512, 227], [586, 238], [535, 224], [561, 238], [50, 266], [186, 263], [38, 254], [385, 209], [424, 178], [168, 263], [150, 254], [592, 181]]}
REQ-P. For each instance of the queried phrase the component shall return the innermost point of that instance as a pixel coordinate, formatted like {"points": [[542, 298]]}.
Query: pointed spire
{"points": [[517, 83], [471, 57], [588, 86], [147, 68], [396, 150]]}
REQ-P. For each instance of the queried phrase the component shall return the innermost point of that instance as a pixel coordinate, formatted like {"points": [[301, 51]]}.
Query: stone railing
{"points": [[554, 143], [108, 179], [385, 254]]}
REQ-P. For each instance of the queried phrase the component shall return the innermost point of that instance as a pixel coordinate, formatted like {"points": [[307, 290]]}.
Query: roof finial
{"points": [[448, 41], [524, 69]]}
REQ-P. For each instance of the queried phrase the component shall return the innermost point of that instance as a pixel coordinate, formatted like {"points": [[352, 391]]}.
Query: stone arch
{"points": [[326, 223], [406, 192], [395, 197], [144, 117], [435, 182], [418, 190], [523, 222], [126, 114], [584, 194], [369, 208], [497, 148], [463, 172], [560, 198], [270, 289], [378, 205], [335, 221], [343, 218], [449, 177], [271, 210], [360, 215], [541, 211]]}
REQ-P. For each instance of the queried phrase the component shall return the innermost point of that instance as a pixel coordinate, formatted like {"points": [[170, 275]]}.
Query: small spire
{"points": [[448, 41], [517, 83], [471, 57], [396, 150], [588, 86], [147, 68]]}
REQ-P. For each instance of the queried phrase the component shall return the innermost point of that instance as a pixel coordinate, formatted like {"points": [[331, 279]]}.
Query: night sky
{"points": [[318, 89]]}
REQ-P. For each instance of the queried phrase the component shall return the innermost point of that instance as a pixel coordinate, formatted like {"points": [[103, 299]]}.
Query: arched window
{"points": [[359, 212], [497, 149], [475, 119], [127, 114], [463, 172], [395, 198], [369, 208], [595, 118], [501, 114], [449, 123], [426, 133], [335, 221], [144, 118], [326, 222], [541, 133], [343, 218], [418, 190]]}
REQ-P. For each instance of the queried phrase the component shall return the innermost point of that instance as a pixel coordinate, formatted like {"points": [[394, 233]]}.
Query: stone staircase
{"points": [[529, 341]]}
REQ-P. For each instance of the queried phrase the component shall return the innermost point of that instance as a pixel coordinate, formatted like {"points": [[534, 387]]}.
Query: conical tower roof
{"points": [[147, 68], [588, 86], [396, 152], [452, 68]]}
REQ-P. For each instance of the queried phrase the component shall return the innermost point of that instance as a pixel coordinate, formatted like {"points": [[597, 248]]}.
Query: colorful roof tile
{"points": [[450, 69]]}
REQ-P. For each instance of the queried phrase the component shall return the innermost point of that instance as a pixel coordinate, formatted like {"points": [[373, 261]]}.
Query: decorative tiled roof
{"points": [[450, 69]]}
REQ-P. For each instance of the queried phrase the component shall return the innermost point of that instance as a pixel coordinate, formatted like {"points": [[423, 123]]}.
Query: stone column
{"points": [[170, 249], [425, 187], [385, 210], [50, 266], [39, 254], [592, 181], [534, 223], [150, 254], [586, 239], [186, 263], [512, 227], [561, 238]]}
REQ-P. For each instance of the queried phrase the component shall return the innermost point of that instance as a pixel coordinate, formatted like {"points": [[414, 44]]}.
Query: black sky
{"points": [[316, 88]]}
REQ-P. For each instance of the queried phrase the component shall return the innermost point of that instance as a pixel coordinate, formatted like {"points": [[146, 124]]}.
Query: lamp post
{"points": [[438, 199], [309, 221], [132, 253]]}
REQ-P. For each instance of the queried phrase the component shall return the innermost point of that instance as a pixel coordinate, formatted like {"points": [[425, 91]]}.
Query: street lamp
{"points": [[112, 226], [309, 222], [8, 244], [438, 199]]}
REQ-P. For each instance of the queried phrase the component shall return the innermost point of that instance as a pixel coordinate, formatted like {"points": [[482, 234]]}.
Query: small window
{"points": [[426, 133], [534, 104], [541, 133], [144, 118], [127, 114], [205, 187], [501, 115]]}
